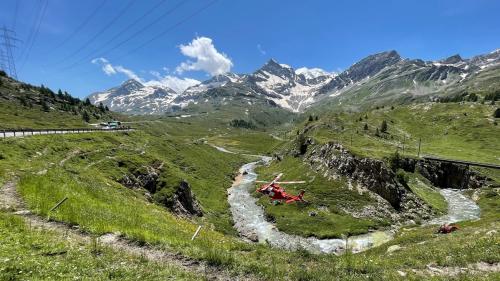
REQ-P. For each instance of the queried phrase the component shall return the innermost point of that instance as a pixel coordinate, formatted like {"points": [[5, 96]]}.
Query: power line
{"points": [[137, 33], [165, 31], [179, 23], [128, 27], [16, 10], [79, 28], [42, 15], [37, 10], [119, 15]]}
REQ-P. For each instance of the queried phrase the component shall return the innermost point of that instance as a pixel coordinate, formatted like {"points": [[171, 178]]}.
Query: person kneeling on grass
{"points": [[447, 228]]}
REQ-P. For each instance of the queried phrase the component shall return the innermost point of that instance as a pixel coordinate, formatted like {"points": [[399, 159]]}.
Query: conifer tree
{"points": [[383, 127]]}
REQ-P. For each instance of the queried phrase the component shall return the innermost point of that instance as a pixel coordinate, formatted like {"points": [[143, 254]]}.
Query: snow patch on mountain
{"points": [[311, 73], [214, 82]]}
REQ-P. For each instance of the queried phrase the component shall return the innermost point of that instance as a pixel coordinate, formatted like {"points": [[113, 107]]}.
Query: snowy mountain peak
{"points": [[311, 73], [287, 88], [272, 67], [452, 60], [131, 85], [134, 97]]}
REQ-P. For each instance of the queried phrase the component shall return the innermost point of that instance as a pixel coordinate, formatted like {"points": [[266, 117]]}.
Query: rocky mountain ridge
{"points": [[381, 77]]}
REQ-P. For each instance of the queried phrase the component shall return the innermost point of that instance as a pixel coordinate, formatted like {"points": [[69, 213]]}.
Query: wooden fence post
{"points": [[59, 204], [196, 233]]}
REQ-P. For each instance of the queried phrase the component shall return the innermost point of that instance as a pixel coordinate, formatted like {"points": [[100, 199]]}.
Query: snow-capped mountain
{"points": [[286, 87], [278, 83], [214, 82], [135, 98], [191, 94], [386, 77], [378, 78]]}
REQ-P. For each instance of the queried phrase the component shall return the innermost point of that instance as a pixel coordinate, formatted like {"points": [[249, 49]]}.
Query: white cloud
{"points": [[208, 59], [155, 74], [262, 51], [130, 74], [175, 83], [110, 69]]}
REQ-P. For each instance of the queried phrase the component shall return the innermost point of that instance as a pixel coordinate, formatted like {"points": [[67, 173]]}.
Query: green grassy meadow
{"points": [[457, 131], [87, 167], [36, 254]]}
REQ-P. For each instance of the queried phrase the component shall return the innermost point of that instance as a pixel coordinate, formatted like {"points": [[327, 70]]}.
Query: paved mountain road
{"points": [[27, 133]]}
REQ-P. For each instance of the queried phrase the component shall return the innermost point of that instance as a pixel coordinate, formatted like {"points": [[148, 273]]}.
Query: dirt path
{"points": [[11, 201], [69, 156], [453, 271]]}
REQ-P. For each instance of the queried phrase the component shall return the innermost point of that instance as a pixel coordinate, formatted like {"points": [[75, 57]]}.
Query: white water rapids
{"points": [[460, 208]]}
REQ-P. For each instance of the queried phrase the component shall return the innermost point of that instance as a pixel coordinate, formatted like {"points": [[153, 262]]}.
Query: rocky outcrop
{"points": [[334, 160], [144, 177], [444, 174], [183, 201], [178, 198], [369, 172]]}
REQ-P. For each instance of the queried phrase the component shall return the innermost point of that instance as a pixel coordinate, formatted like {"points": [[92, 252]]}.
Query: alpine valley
{"points": [[269, 170]]}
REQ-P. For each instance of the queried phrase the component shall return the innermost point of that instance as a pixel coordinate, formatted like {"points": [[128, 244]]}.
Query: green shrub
{"points": [[394, 160], [219, 257], [383, 127], [239, 123], [164, 197], [402, 177]]}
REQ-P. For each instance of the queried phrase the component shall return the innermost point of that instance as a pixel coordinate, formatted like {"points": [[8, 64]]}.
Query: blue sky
{"points": [[235, 35]]}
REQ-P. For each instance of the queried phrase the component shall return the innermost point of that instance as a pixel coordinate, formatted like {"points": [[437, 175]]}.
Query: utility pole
{"points": [[6, 57]]}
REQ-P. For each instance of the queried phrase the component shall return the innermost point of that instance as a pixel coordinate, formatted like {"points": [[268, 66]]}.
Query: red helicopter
{"points": [[277, 193]]}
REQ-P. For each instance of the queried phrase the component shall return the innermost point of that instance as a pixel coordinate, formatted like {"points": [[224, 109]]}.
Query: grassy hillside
{"points": [[234, 103], [36, 254], [465, 131], [27, 106], [86, 167]]}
